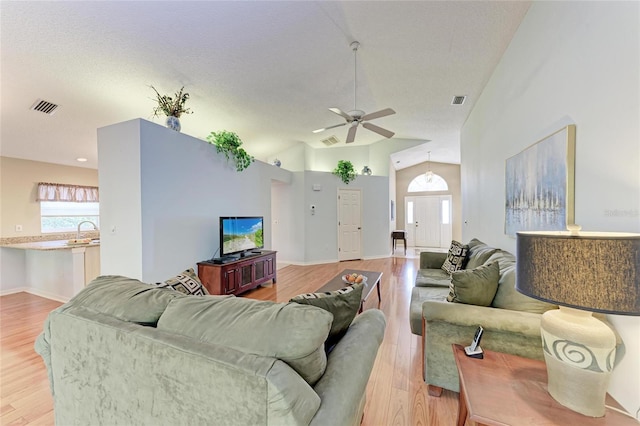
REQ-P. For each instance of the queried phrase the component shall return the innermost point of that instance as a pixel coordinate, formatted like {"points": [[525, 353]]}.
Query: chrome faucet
{"points": [[95, 227]]}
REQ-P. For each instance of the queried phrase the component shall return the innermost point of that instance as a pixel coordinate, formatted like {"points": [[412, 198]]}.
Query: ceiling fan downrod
{"points": [[354, 46]]}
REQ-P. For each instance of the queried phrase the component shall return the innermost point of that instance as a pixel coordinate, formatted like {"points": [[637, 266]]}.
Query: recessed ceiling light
{"points": [[81, 159]]}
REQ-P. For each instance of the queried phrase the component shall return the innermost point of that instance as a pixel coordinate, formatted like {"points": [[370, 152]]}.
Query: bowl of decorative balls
{"points": [[354, 278]]}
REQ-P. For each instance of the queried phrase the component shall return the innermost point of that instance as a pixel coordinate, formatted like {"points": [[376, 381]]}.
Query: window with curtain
{"points": [[63, 207], [64, 192]]}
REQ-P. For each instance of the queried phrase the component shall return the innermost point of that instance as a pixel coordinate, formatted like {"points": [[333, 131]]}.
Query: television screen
{"points": [[240, 234]]}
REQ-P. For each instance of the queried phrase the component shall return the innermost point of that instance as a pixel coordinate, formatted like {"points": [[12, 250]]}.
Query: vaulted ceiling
{"points": [[268, 70]]}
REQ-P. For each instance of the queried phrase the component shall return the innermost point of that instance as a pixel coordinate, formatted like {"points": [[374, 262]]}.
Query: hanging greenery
{"points": [[230, 144], [345, 171]]}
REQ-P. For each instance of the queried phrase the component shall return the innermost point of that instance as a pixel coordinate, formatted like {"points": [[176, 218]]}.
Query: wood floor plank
{"points": [[396, 394]]}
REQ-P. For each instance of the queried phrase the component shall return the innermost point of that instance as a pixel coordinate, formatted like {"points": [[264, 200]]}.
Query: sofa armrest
{"points": [[445, 323], [432, 260], [503, 320], [343, 386]]}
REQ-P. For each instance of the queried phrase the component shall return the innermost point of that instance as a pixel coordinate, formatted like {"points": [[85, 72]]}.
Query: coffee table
{"points": [[373, 280], [504, 389]]}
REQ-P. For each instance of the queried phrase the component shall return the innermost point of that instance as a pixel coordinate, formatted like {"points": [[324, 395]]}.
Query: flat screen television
{"points": [[239, 235]]}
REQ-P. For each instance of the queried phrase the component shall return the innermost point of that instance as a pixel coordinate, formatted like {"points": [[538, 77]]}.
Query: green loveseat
{"points": [[511, 323], [125, 352]]}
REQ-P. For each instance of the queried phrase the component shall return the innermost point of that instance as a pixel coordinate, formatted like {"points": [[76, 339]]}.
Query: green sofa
{"points": [[125, 352], [511, 323]]}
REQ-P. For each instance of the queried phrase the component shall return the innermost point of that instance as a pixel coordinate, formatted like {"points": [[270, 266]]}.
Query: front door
{"points": [[427, 226], [428, 220], [349, 224]]}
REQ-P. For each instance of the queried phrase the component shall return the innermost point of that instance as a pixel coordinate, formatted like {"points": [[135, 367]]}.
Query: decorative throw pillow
{"points": [[475, 286], [344, 304], [456, 257], [187, 282]]}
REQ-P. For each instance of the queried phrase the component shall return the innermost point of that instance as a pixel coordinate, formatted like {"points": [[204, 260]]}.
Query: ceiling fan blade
{"points": [[351, 135], [378, 114], [330, 127], [379, 130], [341, 113]]}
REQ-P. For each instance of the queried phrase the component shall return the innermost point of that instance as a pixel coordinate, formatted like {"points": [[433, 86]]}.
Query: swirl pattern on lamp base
{"points": [[579, 351]]}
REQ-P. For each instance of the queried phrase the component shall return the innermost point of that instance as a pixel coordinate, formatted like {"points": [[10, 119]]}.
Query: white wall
{"points": [[321, 233], [119, 177], [163, 193], [302, 157], [569, 63]]}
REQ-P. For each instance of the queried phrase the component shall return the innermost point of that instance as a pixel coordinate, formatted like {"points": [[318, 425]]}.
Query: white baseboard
{"points": [[13, 291], [35, 292], [47, 295]]}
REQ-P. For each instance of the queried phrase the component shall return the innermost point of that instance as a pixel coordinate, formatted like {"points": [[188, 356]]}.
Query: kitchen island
{"points": [[52, 269]]}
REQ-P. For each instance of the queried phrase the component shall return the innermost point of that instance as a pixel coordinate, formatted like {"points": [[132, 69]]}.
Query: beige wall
{"points": [[450, 173], [18, 189]]}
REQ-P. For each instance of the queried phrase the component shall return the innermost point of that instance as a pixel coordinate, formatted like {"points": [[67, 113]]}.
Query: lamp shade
{"points": [[595, 271]]}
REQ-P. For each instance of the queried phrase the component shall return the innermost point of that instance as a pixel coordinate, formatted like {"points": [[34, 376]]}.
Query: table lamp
{"points": [[582, 272]]}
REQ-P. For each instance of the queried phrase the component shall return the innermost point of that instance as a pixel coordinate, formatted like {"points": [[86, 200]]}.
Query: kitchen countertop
{"points": [[50, 245]]}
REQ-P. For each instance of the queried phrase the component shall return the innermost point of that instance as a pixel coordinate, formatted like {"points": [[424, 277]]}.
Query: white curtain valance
{"points": [[64, 192]]}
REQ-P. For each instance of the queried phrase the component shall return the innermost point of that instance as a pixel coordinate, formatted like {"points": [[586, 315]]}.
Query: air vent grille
{"points": [[332, 140], [44, 106], [458, 100]]}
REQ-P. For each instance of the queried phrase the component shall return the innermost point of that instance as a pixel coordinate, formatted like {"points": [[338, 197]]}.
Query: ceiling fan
{"points": [[356, 116]]}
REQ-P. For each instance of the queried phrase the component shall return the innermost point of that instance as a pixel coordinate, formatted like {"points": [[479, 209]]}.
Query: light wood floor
{"points": [[396, 394]]}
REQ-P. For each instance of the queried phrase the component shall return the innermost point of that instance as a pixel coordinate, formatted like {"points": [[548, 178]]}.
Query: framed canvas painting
{"points": [[539, 185]]}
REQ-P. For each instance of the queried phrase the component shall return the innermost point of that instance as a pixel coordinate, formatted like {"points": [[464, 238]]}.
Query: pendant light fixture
{"points": [[429, 174]]}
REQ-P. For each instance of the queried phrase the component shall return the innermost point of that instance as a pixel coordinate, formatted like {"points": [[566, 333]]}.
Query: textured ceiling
{"points": [[268, 70]]}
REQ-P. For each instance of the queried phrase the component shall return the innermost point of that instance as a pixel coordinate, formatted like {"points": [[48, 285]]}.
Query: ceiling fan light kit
{"points": [[356, 116]]}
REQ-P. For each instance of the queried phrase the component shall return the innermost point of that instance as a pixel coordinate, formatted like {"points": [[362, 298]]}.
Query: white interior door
{"points": [[349, 224]]}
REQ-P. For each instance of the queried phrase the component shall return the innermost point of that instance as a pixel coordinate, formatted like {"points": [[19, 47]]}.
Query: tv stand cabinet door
{"points": [[238, 276]]}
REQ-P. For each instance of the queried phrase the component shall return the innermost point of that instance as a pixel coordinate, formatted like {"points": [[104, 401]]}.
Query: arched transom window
{"points": [[420, 184]]}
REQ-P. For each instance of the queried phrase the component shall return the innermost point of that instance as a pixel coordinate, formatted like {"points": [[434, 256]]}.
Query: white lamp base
{"points": [[579, 351]]}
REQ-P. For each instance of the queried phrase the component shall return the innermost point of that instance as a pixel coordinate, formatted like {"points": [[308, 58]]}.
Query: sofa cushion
{"points": [[475, 286], [507, 297], [291, 332], [456, 257], [479, 253], [432, 278], [418, 296], [186, 282], [125, 298], [343, 304]]}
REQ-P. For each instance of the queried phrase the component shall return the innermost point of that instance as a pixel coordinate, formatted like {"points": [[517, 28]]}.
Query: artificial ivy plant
{"points": [[229, 143], [345, 171]]}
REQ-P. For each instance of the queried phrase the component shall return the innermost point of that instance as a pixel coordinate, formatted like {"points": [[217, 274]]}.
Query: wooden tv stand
{"points": [[239, 275]]}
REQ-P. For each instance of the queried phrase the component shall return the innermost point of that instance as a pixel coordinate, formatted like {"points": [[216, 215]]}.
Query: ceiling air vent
{"points": [[330, 141], [44, 106], [458, 100]]}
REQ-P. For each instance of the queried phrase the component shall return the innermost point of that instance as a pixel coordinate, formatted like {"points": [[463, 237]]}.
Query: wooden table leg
{"points": [[462, 408]]}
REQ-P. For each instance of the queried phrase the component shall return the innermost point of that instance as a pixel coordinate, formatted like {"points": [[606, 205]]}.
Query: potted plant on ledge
{"points": [[171, 107], [345, 171], [230, 144]]}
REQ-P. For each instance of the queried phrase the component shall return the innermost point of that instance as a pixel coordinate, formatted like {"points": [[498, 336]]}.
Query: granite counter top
{"points": [[50, 245]]}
